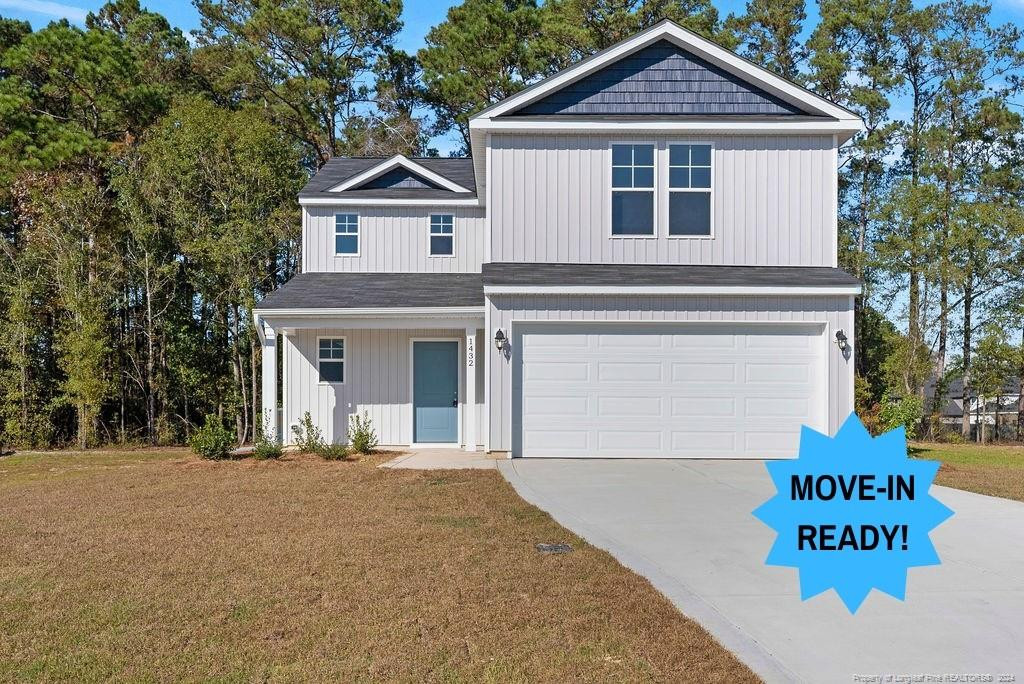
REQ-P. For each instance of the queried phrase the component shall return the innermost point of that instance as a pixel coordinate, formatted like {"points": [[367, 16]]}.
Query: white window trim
{"points": [[669, 190], [611, 190], [343, 359], [358, 234], [430, 220]]}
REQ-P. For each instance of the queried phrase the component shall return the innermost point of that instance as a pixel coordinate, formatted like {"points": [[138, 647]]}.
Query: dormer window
{"points": [[633, 189], [689, 190], [346, 234]]}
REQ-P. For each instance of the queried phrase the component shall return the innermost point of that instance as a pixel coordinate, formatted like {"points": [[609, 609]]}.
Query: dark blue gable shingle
{"points": [[661, 78], [397, 178]]}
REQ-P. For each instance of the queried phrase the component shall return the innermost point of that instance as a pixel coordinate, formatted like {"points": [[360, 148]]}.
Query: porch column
{"points": [[470, 412], [269, 355]]}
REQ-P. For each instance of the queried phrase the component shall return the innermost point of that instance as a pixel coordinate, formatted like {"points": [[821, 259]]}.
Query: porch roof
{"points": [[376, 291]]}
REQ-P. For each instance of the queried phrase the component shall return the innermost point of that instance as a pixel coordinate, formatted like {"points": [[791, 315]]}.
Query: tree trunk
{"points": [[966, 395], [1020, 391]]}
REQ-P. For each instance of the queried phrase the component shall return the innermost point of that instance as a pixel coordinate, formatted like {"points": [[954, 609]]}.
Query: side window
{"points": [[689, 190], [633, 189], [442, 235], [346, 234], [331, 359]]}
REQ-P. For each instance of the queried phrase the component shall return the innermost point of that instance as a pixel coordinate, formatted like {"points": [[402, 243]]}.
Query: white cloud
{"points": [[50, 9]]}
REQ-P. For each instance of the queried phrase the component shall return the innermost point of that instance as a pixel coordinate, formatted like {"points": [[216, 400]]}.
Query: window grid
{"points": [[346, 234], [689, 171], [633, 172], [331, 359], [442, 235]]}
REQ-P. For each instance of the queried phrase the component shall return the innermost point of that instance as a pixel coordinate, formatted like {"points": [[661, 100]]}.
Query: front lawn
{"points": [[155, 565], [992, 470]]}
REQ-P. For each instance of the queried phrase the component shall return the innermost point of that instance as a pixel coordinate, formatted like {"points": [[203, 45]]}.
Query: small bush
{"points": [[361, 436], [213, 440], [265, 449], [333, 452], [906, 411], [308, 437]]}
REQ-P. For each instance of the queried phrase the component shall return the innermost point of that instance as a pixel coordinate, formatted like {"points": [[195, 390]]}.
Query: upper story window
{"points": [[689, 190], [442, 235], [633, 189], [331, 359], [346, 234]]}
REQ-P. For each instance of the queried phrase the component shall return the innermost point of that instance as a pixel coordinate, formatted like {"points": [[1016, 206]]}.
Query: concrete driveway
{"points": [[687, 527]]}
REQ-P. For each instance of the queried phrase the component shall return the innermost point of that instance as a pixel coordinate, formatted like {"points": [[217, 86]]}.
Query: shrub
{"points": [[906, 411], [361, 436], [333, 452], [213, 440], [265, 449], [308, 437]]}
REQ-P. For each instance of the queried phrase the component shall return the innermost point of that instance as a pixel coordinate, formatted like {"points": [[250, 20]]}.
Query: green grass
{"points": [[991, 470]]}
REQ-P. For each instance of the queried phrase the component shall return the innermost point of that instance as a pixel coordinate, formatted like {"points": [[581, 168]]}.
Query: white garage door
{"points": [[666, 391]]}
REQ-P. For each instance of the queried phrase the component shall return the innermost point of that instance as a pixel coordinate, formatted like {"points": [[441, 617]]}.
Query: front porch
{"points": [[415, 373], [401, 348]]}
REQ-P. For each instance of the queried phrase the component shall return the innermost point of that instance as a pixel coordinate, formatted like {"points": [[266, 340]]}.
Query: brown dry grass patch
{"points": [[991, 470], [153, 565]]}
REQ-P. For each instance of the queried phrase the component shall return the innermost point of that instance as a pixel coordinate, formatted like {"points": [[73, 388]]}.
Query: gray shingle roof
{"points": [[644, 274], [340, 169], [376, 290]]}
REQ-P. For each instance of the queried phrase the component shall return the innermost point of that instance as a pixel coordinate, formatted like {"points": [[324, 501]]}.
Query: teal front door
{"points": [[435, 392]]}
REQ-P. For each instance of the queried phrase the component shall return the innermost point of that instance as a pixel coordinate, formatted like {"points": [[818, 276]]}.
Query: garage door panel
{"points": [[636, 407], [705, 341], [775, 373], [703, 407], [562, 406], [704, 372], [619, 371], [670, 390], [700, 442], [556, 370], [629, 342], [626, 441], [760, 407]]}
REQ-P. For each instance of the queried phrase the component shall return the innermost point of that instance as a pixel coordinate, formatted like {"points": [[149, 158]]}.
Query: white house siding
{"points": [[774, 202], [376, 381], [504, 310], [392, 239]]}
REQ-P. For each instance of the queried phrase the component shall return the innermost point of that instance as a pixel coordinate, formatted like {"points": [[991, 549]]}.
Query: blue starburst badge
{"points": [[853, 513]]}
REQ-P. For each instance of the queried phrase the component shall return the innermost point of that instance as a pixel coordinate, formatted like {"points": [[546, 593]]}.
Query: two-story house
{"points": [[639, 260]]}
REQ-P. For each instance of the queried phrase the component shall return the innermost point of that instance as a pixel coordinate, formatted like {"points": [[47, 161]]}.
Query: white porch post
{"points": [[470, 413], [269, 354]]}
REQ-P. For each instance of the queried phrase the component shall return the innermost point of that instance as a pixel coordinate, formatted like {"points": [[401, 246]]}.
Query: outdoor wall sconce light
{"points": [[500, 340], [841, 341]]}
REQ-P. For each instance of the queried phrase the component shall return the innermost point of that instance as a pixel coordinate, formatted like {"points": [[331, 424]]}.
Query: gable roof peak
{"points": [[738, 67]]}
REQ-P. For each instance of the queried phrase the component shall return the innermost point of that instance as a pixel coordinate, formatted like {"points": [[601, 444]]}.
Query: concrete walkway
{"points": [[687, 527], [442, 459]]}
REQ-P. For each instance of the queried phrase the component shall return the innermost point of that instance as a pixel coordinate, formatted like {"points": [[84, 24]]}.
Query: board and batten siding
{"points": [[504, 311], [774, 202], [377, 378], [392, 239]]}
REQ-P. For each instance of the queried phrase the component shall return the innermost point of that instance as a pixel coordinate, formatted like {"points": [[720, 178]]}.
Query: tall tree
{"points": [[769, 34], [852, 60], [579, 28], [223, 185], [314, 64], [484, 51]]}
